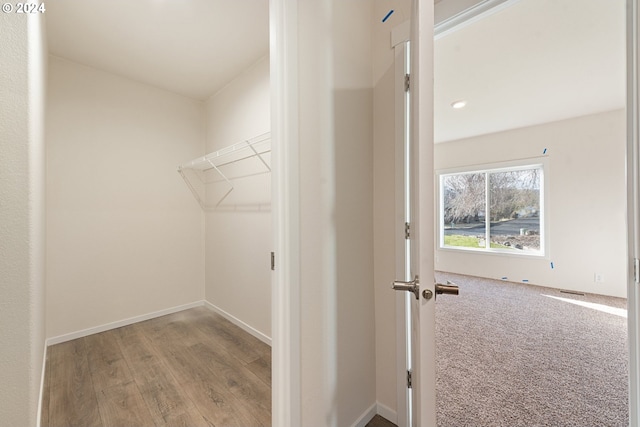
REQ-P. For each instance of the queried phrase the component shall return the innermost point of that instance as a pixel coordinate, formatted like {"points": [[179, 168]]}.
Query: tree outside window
{"points": [[494, 210]]}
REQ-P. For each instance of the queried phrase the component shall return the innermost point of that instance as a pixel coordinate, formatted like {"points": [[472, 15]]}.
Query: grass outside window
{"points": [[493, 210]]}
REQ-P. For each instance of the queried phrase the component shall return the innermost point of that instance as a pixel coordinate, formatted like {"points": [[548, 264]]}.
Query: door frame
{"points": [[285, 278], [633, 209], [400, 36]]}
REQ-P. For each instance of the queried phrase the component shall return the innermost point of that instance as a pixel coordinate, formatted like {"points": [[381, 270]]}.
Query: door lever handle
{"points": [[449, 289], [412, 286]]}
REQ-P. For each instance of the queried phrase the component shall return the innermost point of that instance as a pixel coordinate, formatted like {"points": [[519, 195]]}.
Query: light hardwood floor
{"points": [[192, 368], [378, 421]]}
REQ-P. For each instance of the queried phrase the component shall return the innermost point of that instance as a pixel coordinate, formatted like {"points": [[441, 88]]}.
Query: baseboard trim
{"points": [[247, 328], [366, 417], [120, 323], [386, 412], [376, 409], [44, 366]]}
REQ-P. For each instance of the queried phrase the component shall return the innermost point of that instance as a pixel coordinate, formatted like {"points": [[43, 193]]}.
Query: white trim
{"points": [[285, 297], [402, 327], [44, 365], [515, 164], [120, 323], [247, 328], [400, 33], [376, 409], [386, 412], [633, 208], [365, 417]]}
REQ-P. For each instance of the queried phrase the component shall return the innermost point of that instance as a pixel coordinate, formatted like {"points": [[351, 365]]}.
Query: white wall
{"points": [[22, 221], [353, 215], [124, 234], [336, 211], [238, 232], [586, 202]]}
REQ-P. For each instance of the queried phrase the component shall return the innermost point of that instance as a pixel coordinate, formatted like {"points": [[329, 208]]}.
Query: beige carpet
{"points": [[511, 355]]}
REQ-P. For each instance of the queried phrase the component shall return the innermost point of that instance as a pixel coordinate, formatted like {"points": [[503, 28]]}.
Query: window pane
{"points": [[515, 210], [464, 210]]}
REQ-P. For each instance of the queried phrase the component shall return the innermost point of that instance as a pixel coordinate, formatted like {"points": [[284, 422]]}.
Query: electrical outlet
{"points": [[598, 277]]}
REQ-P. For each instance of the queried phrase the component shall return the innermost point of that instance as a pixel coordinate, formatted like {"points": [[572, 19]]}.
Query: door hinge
{"points": [[407, 230], [273, 260], [407, 82], [409, 380], [636, 270]]}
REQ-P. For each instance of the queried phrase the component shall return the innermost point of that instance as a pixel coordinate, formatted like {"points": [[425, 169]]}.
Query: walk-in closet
{"points": [[158, 180]]}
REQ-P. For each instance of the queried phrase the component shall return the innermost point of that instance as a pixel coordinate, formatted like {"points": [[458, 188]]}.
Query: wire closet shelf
{"points": [[194, 172]]}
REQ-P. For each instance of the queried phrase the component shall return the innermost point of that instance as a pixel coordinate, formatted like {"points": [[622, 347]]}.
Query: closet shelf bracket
{"points": [[196, 172]]}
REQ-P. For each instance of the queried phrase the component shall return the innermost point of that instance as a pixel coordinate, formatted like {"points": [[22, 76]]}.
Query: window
{"points": [[496, 210]]}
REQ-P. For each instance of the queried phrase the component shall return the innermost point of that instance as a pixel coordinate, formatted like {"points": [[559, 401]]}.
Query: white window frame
{"points": [[533, 163]]}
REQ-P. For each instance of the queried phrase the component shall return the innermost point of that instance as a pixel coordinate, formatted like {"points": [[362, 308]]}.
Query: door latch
{"points": [[449, 289], [412, 286]]}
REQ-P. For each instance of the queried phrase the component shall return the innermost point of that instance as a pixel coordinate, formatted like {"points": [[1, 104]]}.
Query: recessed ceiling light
{"points": [[459, 104]]}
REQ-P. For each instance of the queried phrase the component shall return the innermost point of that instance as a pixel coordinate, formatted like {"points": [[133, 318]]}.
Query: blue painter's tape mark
{"points": [[551, 265], [387, 16], [545, 151]]}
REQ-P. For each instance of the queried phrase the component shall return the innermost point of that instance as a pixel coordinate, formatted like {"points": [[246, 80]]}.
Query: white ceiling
{"points": [[189, 47], [532, 62]]}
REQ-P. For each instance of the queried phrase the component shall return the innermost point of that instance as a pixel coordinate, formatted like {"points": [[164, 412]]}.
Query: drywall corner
{"points": [[22, 262]]}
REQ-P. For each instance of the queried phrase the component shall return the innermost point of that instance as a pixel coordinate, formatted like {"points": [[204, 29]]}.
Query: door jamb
{"points": [[402, 395], [285, 279], [633, 209]]}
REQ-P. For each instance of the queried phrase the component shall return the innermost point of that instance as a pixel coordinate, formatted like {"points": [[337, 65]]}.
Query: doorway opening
{"points": [[528, 79], [129, 102]]}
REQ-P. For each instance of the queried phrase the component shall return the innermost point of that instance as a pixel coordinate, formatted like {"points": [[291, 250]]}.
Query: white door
{"points": [[416, 307]]}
